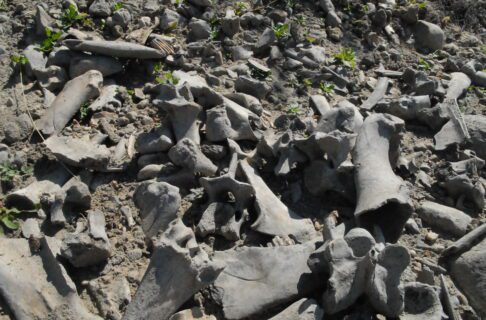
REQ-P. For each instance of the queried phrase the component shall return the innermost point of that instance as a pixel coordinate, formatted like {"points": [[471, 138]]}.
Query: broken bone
{"points": [[158, 203], [377, 95], [178, 269], [35, 285], [274, 217], [74, 94], [79, 152], [186, 153], [120, 49], [220, 218], [230, 121], [421, 302], [108, 98], [383, 197]]}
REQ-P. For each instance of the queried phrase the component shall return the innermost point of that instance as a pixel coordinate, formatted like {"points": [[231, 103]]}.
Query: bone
{"points": [[186, 153], [274, 217], [384, 290], [304, 309], [230, 121], [157, 140], [443, 218], [468, 274], [29, 197], [56, 210], [383, 197], [158, 203], [345, 117], [332, 19], [74, 94], [183, 117], [78, 152], [106, 65], [47, 291], [406, 108], [464, 244], [447, 300], [379, 92], [463, 187], [219, 187], [120, 49], [108, 98], [179, 263], [252, 282], [421, 302], [220, 218]]}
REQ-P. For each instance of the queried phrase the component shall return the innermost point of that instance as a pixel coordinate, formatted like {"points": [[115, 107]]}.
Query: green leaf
{"points": [[7, 222]]}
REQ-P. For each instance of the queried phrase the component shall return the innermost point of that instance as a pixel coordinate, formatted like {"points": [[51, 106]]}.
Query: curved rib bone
{"points": [[383, 197], [75, 93]]}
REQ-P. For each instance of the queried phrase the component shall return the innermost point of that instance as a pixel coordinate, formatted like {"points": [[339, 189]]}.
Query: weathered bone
{"points": [[219, 187], [304, 309], [377, 95], [108, 98], [75, 93], [119, 49], [345, 117], [220, 218], [158, 140], [421, 302], [406, 108], [158, 203], [30, 197], [35, 285], [252, 280], [106, 65], [274, 218], [383, 197], [186, 153], [177, 270], [183, 116], [78, 152], [230, 121]]}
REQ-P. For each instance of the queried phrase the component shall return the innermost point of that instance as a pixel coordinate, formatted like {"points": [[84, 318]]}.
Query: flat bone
{"points": [[186, 153], [406, 108], [252, 281], [274, 217], [75, 93], [383, 197], [377, 95], [421, 302], [119, 49], [108, 98], [178, 269]]}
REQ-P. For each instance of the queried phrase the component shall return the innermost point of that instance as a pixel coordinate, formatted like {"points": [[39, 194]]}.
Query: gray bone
{"points": [[119, 49]]}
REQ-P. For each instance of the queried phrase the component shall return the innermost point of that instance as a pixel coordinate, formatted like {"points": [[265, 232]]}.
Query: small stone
{"points": [[431, 237]]}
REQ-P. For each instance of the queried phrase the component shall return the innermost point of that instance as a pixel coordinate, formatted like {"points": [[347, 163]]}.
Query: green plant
{"points": [[215, 23], [8, 217], [240, 8], [347, 57], [117, 6], [281, 30], [48, 43], [214, 33], [173, 25], [71, 16], [422, 5], [366, 8], [424, 64], [289, 4], [300, 19], [19, 60], [131, 91], [8, 171], [259, 74], [294, 109], [327, 88], [84, 111], [483, 49], [310, 38], [307, 83], [3, 5], [167, 78]]}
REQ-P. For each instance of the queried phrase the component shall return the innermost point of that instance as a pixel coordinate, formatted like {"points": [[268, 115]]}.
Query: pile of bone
{"points": [[219, 143]]}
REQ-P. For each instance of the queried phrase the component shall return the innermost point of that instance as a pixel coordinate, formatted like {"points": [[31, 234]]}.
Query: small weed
{"points": [[294, 109], [347, 57], [8, 171], [117, 6], [131, 92], [240, 8], [366, 8], [48, 43], [281, 30], [179, 3], [72, 16], [259, 74], [215, 23], [214, 33], [290, 4], [327, 88], [167, 78], [307, 83], [8, 217], [424, 65], [84, 111], [310, 38], [173, 25], [422, 5], [483, 49], [19, 60], [3, 5], [446, 20], [301, 19]]}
